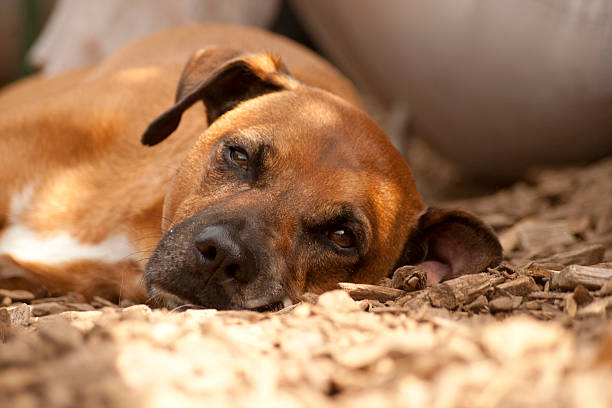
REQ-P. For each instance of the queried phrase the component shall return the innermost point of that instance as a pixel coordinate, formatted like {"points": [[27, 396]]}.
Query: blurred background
{"points": [[466, 89]]}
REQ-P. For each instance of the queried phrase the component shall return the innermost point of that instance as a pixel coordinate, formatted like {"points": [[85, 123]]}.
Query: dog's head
{"points": [[291, 190]]}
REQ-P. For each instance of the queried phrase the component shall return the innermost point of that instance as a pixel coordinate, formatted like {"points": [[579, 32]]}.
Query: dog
{"points": [[116, 181]]}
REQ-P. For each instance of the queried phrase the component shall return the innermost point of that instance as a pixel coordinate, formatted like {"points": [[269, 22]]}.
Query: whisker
{"points": [[150, 232], [141, 279], [145, 227], [153, 298], [161, 217], [131, 254], [182, 308], [170, 220], [144, 251], [145, 237]]}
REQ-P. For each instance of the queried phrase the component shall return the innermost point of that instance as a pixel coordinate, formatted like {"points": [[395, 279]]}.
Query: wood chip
{"points": [[17, 295], [71, 297], [311, 298], [582, 296], [416, 301], [44, 309], [388, 309], [409, 278], [571, 307], [386, 282], [547, 295], [537, 271], [574, 275], [338, 300], [126, 303], [137, 312], [535, 236], [604, 265], [588, 255], [509, 240], [442, 295], [498, 220], [101, 302], [551, 266], [532, 305], [360, 291], [480, 304], [606, 289], [599, 308], [551, 310], [521, 286], [501, 304], [15, 315], [290, 308], [80, 307], [579, 225], [466, 288], [604, 223]]}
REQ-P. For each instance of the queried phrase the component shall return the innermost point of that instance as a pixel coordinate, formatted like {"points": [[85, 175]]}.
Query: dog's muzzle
{"points": [[226, 265]]}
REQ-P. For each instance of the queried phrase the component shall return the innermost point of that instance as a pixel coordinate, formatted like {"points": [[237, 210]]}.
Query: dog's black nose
{"points": [[222, 256]]}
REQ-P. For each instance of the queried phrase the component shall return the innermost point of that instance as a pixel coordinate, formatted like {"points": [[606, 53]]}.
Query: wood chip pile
{"points": [[535, 331]]}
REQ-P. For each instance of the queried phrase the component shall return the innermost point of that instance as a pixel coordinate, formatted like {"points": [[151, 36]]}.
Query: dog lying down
{"points": [[218, 166]]}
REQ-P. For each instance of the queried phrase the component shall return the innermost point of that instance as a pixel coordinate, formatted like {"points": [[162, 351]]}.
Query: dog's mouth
{"points": [[162, 298], [265, 304], [272, 307]]}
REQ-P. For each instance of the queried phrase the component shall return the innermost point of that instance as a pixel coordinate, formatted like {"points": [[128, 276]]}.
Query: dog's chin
{"points": [[162, 298]]}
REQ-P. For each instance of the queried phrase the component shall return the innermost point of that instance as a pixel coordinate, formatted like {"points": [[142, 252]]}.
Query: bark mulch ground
{"points": [[535, 331]]}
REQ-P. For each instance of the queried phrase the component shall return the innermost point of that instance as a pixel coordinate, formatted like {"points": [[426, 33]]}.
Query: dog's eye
{"points": [[343, 237], [239, 157]]}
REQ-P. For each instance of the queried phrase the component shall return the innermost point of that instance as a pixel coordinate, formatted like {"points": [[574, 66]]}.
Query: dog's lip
{"points": [[260, 304], [166, 298], [265, 304]]}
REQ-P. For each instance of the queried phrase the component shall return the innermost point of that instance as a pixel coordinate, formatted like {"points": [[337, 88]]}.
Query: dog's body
{"points": [[288, 162]]}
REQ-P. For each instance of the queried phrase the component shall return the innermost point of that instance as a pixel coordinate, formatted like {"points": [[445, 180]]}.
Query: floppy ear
{"points": [[450, 243], [221, 78]]}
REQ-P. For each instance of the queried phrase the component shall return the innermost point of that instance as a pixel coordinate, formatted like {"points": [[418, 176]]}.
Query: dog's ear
{"points": [[450, 243], [221, 78]]}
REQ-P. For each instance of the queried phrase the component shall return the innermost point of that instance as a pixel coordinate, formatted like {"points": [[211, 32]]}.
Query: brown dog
{"points": [[276, 185]]}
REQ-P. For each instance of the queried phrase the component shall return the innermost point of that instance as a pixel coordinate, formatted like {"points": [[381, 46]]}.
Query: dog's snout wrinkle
{"points": [[222, 256]]}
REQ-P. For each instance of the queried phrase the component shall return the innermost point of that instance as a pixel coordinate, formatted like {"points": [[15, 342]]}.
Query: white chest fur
{"points": [[24, 244]]}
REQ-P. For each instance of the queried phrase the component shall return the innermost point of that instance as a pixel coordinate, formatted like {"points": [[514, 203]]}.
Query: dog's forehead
{"points": [[312, 127]]}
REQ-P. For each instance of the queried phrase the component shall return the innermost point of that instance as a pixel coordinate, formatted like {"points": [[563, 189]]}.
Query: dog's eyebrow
{"points": [[256, 142], [337, 214], [249, 134]]}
